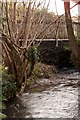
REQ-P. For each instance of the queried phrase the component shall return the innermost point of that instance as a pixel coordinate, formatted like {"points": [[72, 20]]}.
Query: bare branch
{"points": [[8, 20]]}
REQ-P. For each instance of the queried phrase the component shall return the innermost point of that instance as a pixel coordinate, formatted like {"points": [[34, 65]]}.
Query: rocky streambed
{"points": [[57, 97]]}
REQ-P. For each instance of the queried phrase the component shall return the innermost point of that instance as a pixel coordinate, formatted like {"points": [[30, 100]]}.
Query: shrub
{"points": [[8, 84], [2, 106], [7, 88]]}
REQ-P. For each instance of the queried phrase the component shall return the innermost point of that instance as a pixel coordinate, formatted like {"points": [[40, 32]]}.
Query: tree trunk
{"points": [[72, 40]]}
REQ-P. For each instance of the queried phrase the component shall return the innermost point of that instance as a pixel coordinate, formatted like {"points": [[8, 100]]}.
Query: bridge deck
{"points": [[51, 39], [47, 39]]}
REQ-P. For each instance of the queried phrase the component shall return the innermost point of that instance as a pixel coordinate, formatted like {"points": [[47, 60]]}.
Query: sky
{"points": [[60, 7], [59, 4]]}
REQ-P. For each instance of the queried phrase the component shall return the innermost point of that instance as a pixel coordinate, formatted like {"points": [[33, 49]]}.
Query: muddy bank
{"points": [[52, 98]]}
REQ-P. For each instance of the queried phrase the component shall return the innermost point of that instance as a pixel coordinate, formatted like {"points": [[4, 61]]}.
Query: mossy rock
{"points": [[43, 70]]}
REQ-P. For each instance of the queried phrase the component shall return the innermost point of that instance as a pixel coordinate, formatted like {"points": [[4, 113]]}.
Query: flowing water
{"points": [[59, 100]]}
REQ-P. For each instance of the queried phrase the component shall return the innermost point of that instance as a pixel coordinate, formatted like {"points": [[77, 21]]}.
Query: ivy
{"points": [[33, 54]]}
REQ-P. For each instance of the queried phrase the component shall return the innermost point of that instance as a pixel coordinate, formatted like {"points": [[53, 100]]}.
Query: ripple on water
{"points": [[60, 101], [54, 104]]}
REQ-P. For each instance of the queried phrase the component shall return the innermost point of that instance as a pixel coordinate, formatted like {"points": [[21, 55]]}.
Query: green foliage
{"points": [[8, 88], [33, 58], [1, 69], [31, 80], [43, 71], [2, 106], [66, 47], [38, 69], [2, 116], [78, 41], [8, 84], [33, 54]]}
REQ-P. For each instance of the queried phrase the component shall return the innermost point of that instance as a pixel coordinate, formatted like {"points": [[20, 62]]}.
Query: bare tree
{"points": [[20, 29]]}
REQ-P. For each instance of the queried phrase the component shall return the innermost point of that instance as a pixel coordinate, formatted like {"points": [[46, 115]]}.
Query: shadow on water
{"points": [[16, 109]]}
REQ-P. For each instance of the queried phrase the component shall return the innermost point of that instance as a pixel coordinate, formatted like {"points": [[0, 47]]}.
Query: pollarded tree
{"points": [[19, 33]]}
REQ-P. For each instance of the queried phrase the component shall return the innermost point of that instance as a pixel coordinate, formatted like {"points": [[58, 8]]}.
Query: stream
{"points": [[60, 99]]}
